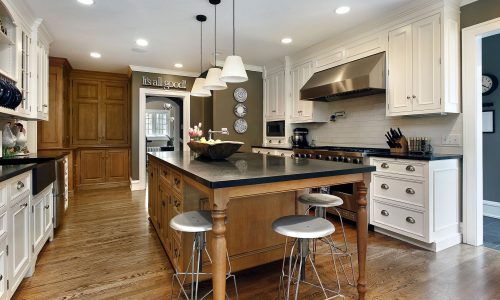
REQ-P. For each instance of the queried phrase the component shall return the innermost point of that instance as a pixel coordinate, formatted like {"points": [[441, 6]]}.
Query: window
{"points": [[157, 123]]}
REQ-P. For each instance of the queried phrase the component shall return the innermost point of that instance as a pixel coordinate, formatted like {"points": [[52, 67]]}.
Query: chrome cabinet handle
{"points": [[410, 220], [268, 153], [177, 181], [47, 206], [20, 185], [273, 111], [385, 166], [1, 277], [410, 168], [414, 97], [45, 105], [410, 191], [282, 154], [293, 156], [23, 205], [384, 186], [408, 97], [384, 213]]}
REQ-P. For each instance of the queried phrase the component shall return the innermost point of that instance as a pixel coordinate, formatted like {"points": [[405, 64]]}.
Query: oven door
{"points": [[348, 193], [275, 129]]}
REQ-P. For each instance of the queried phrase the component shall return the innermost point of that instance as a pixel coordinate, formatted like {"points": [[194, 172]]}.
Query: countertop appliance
{"points": [[362, 77], [299, 138], [60, 191], [347, 192], [275, 129]]}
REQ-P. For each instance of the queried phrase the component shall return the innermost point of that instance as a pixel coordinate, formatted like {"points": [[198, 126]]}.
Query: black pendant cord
{"points": [[201, 47], [215, 30], [234, 35]]}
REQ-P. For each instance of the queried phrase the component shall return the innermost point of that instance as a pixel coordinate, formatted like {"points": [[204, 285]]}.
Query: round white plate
{"points": [[240, 110], [240, 126], [240, 95]]}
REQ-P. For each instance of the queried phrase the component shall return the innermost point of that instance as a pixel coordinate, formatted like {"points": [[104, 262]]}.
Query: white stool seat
{"points": [[321, 200], [303, 227], [192, 221]]}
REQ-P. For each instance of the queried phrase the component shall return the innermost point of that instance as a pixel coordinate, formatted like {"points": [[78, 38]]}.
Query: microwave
{"points": [[275, 128]]}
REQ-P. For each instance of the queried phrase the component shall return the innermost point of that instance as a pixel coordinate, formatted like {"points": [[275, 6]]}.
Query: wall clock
{"points": [[240, 126], [240, 95], [240, 110], [490, 84]]}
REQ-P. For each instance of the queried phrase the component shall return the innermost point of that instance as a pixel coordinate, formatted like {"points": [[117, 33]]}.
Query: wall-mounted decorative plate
{"points": [[240, 95], [240, 110], [240, 126]]}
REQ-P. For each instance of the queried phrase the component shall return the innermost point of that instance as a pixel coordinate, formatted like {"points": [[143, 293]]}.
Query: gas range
{"points": [[355, 155]]}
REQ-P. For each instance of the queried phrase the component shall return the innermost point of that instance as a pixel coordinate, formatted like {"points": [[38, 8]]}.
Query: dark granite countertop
{"points": [[427, 157], [250, 168], [9, 171], [32, 158]]}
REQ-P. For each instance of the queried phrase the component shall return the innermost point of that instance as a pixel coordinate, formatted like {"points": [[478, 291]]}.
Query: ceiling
{"points": [[111, 27]]}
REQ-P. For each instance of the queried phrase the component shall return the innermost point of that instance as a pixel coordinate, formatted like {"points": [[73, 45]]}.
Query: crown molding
{"points": [[134, 68], [465, 2]]}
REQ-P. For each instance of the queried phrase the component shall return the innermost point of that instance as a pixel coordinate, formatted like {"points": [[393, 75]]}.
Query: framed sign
{"points": [[489, 121]]}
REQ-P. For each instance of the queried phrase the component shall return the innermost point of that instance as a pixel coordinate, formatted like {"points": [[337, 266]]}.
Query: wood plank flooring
{"points": [[108, 250]]}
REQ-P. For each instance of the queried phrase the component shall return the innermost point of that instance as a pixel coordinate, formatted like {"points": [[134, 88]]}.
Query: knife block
{"points": [[404, 146]]}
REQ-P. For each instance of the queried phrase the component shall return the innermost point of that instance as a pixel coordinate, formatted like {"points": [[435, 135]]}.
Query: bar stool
{"points": [[320, 202], [304, 229], [199, 223]]}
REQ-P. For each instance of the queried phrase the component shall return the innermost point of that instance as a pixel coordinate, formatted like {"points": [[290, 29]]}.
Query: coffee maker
{"points": [[299, 138]]}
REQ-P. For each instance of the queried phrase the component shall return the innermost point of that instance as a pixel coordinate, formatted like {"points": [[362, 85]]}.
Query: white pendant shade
{"points": [[234, 70], [198, 90], [213, 81]]}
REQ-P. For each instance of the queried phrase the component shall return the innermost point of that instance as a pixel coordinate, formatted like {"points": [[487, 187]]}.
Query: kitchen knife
{"points": [[395, 134], [400, 133]]}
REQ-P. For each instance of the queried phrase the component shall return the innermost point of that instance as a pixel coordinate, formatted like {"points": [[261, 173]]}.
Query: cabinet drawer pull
{"points": [[410, 191], [384, 213], [282, 154], [385, 166], [410, 168], [23, 205], [47, 206], [408, 97], [177, 181], [177, 203], [165, 174], [384, 186], [20, 185], [1, 277], [410, 220]]}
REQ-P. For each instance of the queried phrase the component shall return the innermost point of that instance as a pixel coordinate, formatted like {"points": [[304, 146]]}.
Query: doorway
{"points": [[163, 124], [472, 75]]}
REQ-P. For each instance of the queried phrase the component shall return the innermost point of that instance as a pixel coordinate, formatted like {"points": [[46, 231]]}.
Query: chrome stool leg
{"points": [[346, 253]]}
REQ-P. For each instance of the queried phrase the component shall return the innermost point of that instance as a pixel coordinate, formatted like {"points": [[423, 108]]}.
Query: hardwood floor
{"points": [[108, 250]]}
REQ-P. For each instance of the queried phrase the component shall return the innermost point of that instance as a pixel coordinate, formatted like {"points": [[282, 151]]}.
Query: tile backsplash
{"points": [[366, 123]]}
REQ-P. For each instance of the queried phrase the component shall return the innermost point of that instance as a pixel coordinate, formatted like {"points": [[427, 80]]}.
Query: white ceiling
{"points": [[112, 26]]}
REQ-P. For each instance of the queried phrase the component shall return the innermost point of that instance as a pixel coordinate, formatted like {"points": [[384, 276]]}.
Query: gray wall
{"points": [[479, 12], [491, 141]]}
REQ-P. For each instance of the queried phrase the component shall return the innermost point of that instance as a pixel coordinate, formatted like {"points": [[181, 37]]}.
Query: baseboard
{"points": [[491, 209], [97, 186], [437, 246], [135, 185]]}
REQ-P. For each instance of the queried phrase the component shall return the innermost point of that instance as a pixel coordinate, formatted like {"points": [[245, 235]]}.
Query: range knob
{"points": [[329, 157], [347, 159], [309, 155], [337, 158], [356, 161], [341, 159], [318, 156], [302, 155]]}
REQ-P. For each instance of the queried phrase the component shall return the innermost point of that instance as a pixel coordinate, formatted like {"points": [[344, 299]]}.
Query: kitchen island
{"points": [[251, 190]]}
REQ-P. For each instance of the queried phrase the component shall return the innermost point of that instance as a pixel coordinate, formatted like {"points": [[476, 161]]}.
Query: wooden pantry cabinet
{"points": [[100, 108], [102, 168]]}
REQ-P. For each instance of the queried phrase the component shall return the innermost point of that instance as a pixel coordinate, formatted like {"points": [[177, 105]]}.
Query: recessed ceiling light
{"points": [[86, 2], [95, 54], [342, 10], [286, 40], [178, 65], [142, 42]]}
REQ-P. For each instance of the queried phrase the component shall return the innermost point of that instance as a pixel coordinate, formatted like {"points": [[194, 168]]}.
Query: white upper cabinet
{"points": [[304, 111], [275, 95], [415, 69]]}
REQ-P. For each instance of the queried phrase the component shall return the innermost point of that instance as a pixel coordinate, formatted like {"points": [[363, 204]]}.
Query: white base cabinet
{"points": [[416, 201], [19, 241], [41, 221]]}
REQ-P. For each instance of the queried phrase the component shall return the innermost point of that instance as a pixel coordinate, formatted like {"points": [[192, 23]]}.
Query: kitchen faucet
{"points": [[222, 131]]}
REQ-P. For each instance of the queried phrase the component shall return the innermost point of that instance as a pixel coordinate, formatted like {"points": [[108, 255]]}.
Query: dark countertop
{"points": [[251, 168], [273, 147], [32, 158], [426, 157], [9, 171]]}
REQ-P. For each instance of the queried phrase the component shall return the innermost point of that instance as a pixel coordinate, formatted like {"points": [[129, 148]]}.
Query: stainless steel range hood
{"points": [[358, 78]]}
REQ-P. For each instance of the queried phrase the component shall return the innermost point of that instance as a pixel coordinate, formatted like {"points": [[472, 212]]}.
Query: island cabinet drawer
{"points": [[165, 173], [399, 219], [397, 189], [20, 185], [176, 254], [402, 167], [177, 204], [177, 183]]}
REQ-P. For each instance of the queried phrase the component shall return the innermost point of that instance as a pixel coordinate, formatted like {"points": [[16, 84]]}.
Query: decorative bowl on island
{"points": [[216, 150]]}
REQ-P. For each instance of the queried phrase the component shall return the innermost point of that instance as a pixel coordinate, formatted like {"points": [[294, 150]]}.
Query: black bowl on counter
{"points": [[215, 151]]}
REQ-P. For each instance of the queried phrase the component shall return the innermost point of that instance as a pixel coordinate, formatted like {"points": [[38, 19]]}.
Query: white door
{"points": [[37, 221], [400, 70], [296, 78], [280, 103], [47, 213], [3, 269], [270, 97], [19, 241], [426, 64], [306, 106]]}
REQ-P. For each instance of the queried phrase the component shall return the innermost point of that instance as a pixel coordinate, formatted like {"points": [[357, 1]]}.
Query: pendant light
{"points": [[213, 81], [198, 90], [234, 69]]}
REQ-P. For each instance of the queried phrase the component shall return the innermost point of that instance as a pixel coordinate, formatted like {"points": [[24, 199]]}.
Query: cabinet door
{"points": [[19, 243], [400, 70], [3, 269], [114, 118], [426, 64], [85, 109], [152, 191], [280, 103], [117, 165], [92, 166], [306, 107], [50, 133], [163, 216], [47, 213], [37, 212], [296, 78], [270, 97]]}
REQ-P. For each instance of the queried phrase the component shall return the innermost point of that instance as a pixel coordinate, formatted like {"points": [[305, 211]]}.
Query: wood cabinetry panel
{"points": [[115, 91], [92, 166], [114, 123], [86, 90], [86, 118], [117, 165]]}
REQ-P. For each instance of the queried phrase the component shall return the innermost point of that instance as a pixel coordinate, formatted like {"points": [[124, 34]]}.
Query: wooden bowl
{"points": [[216, 151]]}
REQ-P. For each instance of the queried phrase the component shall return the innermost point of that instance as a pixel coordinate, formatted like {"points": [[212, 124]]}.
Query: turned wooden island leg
{"points": [[219, 201], [362, 235]]}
